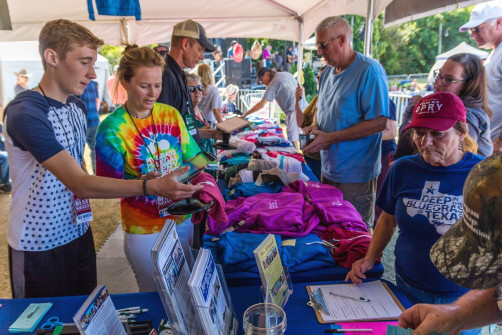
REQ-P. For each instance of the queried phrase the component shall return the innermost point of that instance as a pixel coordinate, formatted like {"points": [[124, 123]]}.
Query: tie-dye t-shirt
{"points": [[121, 152]]}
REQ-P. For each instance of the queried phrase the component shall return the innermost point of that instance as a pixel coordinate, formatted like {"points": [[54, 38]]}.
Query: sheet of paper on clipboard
{"points": [[379, 302], [231, 124]]}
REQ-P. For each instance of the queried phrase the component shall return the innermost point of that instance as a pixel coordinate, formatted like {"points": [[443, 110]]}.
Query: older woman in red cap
{"points": [[422, 195]]}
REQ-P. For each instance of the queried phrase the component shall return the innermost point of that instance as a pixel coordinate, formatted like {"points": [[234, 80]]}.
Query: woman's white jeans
{"points": [[138, 250]]}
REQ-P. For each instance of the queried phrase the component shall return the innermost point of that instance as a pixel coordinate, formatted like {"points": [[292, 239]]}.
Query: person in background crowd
{"points": [[267, 56], [485, 25], [281, 87], [469, 254], [414, 85], [188, 43], [230, 51], [217, 53], [21, 81], [211, 103], [290, 59], [208, 134], [295, 53], [278, 61], [305, 118], [5, 183], [439, 171], [462, 74], [117, 93], [45, 133], [388, 149], [162, 50], [353, 107], [143, 139], [90, 97], [231, 92]]}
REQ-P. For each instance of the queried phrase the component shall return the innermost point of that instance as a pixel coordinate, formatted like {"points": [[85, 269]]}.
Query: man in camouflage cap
{"points": [[470, 254]]}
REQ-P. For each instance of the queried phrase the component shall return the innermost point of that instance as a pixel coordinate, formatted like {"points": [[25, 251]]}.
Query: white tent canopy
{"points": [[279, 19], [15, 56], [400, 11], [310, 44], [461, 48]]}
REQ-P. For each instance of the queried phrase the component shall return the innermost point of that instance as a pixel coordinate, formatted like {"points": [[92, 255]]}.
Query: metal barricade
{"points": [[248, 98], [401, 101], [397, 77], [420, 77]]}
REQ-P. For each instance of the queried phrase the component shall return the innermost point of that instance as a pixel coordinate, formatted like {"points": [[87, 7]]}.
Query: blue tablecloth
{"points": [[66, 307], [300, 317]]}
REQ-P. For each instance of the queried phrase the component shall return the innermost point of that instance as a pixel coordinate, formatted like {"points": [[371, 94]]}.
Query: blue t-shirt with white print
{"points": [[426, 201]]}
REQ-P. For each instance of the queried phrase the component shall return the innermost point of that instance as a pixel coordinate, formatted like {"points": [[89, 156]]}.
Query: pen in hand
{"points": [[348, 297]]}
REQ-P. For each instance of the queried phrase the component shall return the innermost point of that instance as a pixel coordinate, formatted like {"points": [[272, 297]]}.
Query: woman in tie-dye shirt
{"points": [[142, 139]]}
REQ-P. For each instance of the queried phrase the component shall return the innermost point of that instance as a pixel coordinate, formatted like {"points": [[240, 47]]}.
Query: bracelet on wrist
{"points": [[145, 193]]}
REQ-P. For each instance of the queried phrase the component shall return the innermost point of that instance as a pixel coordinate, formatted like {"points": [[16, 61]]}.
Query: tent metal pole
{"points": [[5, 23], [368, 33], [300, 54], [124, 24]]}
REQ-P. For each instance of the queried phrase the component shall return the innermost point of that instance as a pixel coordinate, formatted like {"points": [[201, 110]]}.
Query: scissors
{"points": [[52, 322]]}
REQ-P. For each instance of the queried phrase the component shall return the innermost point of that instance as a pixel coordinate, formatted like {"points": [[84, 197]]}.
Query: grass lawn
{"points": [[106, 219]]}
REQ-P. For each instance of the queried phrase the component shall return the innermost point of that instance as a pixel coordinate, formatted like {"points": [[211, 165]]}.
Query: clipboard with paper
{"points": [[371, 301]]}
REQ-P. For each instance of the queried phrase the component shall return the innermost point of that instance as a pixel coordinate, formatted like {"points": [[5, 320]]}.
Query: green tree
{"points": [[113, 53], [413, 46], [309, 83]]}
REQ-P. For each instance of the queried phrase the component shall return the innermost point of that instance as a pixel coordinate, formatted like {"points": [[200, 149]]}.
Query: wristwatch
{"points": [[498, 296]]}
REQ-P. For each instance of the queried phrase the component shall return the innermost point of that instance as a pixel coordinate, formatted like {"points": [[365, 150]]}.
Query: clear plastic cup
{"points": [[264, 319]]}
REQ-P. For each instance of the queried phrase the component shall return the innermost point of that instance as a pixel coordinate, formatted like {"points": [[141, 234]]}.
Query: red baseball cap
{"points": [[439, 111]]}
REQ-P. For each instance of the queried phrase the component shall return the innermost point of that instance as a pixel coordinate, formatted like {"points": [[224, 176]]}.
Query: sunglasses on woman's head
{"points": [[192, 89]]}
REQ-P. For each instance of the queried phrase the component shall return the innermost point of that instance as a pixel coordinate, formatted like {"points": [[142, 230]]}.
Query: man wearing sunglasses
{"points": [[485, 26], [188, 43], [353, 107]]}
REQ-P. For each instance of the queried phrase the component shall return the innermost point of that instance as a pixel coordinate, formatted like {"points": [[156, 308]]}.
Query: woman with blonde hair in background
{"points": [[211, 103]]}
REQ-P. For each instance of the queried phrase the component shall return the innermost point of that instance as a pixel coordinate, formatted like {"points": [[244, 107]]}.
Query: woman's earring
{"points": [[460, 145]]}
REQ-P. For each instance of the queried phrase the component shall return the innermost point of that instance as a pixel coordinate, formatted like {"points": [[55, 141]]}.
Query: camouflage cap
{"points": [[470, 252]]}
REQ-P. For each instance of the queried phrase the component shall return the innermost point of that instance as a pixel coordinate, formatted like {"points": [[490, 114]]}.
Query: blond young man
{"points": [[51, 249]]}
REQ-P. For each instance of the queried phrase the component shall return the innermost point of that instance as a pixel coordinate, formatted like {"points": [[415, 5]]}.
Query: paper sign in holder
{"points": [[190, 321]]}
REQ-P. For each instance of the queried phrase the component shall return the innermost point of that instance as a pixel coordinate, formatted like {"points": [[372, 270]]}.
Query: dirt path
{"points": [[106, 218]]}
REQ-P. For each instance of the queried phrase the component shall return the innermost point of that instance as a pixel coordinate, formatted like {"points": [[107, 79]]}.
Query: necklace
{"points": [[153, 133], [137, 117]]}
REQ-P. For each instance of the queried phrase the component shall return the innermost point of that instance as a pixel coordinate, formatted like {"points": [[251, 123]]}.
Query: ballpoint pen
{"points": [[133, 311], [348, 330], [349, 297], [128, 308]]}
